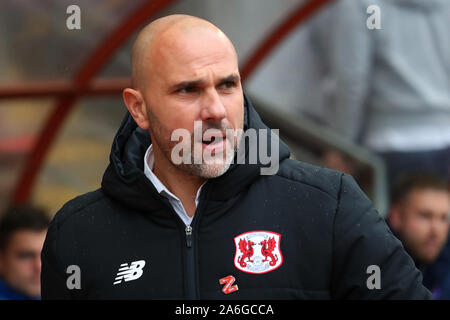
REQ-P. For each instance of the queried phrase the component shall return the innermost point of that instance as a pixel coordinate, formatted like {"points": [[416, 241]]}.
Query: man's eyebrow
{"points": [[193, 83], [185, 84], [231, 78]]}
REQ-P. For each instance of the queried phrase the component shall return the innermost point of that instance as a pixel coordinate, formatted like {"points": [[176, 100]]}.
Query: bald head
{"points": [[166, 34]]}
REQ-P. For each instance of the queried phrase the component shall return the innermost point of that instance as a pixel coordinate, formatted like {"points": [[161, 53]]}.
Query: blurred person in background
{"points": [[22, 235], [419, 216], [445, 291], [389, 88]]}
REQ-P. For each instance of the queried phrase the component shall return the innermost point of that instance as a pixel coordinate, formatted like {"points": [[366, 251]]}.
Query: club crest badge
{"points": [[258, 251]]}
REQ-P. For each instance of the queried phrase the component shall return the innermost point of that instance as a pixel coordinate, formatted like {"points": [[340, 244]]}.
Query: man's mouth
{"points": [[213, 140], [215, 143], [432, 244]]}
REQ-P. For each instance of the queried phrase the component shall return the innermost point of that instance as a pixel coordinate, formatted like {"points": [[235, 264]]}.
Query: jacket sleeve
{"points": [[53, 277], [364, 250]]}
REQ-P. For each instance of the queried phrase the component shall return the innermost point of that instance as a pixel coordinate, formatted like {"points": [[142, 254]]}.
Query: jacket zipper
{"points": [[191, 287], [188, 230], [190, 263], [189, 259]]}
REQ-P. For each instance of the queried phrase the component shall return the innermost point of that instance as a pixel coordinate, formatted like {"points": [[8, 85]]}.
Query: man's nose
{"points": [[213, 108]]}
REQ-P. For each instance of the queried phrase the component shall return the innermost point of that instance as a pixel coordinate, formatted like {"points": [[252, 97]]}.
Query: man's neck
{"points": [[179, 182]]}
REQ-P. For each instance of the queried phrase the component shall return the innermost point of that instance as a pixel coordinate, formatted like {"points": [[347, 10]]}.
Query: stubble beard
{"points": [[205, 169]]}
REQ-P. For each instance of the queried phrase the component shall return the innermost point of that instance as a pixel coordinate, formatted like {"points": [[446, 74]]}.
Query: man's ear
{"points": [[394, 217], [136, 106]]}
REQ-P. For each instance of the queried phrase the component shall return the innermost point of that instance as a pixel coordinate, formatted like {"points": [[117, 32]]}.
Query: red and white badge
{"points": [[258, 251]]}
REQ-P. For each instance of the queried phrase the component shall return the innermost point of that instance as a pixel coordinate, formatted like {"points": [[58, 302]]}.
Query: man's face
{"points": [[424, 223], [195, 78], [20, 262]]}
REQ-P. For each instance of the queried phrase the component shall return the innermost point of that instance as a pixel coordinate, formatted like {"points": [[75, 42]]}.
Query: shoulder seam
{"points": [[334, 225], [71, 213], [309, 185], [312, 186]]}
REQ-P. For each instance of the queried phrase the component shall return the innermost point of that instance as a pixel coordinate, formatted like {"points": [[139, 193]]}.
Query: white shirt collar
{"points": [[149, 161]]}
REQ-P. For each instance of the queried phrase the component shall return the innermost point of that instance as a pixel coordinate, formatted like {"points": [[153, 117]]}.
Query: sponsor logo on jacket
{"points": [[128, 273]]}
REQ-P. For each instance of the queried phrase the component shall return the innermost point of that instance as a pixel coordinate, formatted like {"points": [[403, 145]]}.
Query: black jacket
{"points": [[321, 235]]}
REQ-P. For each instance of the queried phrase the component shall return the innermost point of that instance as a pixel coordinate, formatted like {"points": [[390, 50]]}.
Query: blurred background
{"points": [[353, 87], [362, 100]]}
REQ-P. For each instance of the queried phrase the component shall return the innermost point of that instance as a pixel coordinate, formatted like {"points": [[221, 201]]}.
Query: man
{"points": [[22, 235], [220, 227], [420, 216]]}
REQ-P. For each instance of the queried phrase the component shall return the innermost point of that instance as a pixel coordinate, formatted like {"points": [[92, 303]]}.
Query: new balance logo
{"points": [[128, 273]]}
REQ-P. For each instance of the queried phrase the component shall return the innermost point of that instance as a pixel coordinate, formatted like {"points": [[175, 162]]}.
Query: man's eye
{"points": [[26, 255], [228, 85], [425, 215], [187, 90]]}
